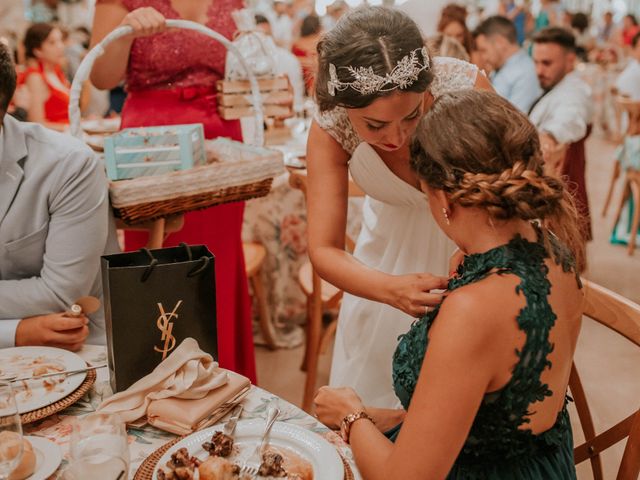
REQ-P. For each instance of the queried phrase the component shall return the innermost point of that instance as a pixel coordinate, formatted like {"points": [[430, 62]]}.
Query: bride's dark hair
{"points": [[484, 153], [375, 37]]}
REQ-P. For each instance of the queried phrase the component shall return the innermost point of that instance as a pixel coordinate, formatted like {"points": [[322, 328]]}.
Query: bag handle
{"points": [[84, 70], [197, 270], [153, 262]]}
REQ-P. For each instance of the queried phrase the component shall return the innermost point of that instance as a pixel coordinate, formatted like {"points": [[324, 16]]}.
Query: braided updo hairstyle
{"points": [[484, 153]]}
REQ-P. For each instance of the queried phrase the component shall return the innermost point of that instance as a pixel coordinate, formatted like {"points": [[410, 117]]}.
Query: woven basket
{"points": [[240, 172]]}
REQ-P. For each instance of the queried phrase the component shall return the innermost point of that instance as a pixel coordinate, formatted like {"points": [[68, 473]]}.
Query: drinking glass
{"points": [[10, 432], [99, 448]]}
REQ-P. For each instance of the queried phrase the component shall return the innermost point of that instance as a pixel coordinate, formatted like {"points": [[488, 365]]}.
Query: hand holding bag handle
{"points": [[84, 70]]}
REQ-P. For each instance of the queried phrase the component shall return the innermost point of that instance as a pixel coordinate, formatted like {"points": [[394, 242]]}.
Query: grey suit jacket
{"points": [[54, 225]]}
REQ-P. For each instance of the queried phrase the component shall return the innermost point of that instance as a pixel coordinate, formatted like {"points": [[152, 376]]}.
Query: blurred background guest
{"points": [[630, 29], [564, 113], [13, 22], [517, 14], [550, 14], [453, 24], [585, 42], [628, 83], [282, 23], [44, 76], [442, 46], [305, 48], [286, 64], [606, 30], [513, 73], [334, 12]]}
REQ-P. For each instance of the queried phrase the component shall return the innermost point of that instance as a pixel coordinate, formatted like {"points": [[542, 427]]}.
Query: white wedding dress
{"points": [[398, 236]]}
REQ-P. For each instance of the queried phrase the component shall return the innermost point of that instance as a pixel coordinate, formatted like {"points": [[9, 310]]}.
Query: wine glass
{"points": [[11, 446], [99, 448]]}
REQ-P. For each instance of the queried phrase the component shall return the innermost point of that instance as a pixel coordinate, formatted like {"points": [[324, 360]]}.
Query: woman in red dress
{"points": [[171, 79], [43, 78]]}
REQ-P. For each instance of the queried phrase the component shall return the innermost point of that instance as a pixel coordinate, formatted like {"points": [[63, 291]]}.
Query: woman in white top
{"points": [[375, 81]]}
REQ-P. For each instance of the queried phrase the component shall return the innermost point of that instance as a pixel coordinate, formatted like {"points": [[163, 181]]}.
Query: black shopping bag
{"points": [[154, 299]]}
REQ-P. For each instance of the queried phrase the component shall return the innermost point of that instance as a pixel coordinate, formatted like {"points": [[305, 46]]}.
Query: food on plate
{"points": [[294, 466], [277, 462], [27, 464], [218, 468], [221, 445], [271, 465], [182, 466]]}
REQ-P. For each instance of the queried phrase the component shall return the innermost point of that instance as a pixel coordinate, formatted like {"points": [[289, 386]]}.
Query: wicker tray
{"points": [[73, 397], [237, 172], [146, 468]]}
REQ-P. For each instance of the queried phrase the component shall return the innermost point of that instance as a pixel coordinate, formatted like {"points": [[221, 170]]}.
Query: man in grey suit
{"points": [[54, 225]]}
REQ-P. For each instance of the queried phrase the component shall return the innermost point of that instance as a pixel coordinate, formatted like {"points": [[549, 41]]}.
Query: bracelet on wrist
{"points": [[349, 420]]}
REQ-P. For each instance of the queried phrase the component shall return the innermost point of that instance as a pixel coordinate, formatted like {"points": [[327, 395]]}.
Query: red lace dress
{"points": [[171, 79]]}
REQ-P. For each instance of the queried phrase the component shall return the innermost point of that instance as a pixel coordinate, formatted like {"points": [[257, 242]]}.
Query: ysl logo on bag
{"points": [[165, 325]]}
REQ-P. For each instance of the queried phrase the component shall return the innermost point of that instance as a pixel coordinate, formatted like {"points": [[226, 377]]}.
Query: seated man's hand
{"points": [[54, 330]]}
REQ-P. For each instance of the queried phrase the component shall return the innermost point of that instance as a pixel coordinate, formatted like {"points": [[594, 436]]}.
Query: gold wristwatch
{"points": [[345, 426]]}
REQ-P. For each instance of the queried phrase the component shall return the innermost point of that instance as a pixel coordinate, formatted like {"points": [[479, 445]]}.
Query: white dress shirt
{"points": [[628, 82], [565, 111]]}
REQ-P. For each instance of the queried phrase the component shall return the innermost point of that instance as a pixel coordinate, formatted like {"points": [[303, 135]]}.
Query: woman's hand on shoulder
{"points": [[413, 293], [145, 21]]}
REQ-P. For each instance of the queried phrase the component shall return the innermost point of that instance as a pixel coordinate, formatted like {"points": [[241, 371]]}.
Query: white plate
{"points": [[310, 446], [101, 125], [35, 394], [48, 457]]}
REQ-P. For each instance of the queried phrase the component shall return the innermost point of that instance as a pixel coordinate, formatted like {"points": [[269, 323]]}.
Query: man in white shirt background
{"points": [[286, 64], [513, 72], [282, 23], [628, 82], [563, 114]]}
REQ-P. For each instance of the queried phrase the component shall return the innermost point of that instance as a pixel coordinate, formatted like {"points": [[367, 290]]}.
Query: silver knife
{"points": [[55, 374], [230, 426]]}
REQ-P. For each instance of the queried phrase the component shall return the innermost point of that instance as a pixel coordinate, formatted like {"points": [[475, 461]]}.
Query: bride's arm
{"points": [[327, 198]]}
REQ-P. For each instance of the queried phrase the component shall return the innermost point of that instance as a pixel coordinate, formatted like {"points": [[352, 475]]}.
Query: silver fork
{"points": [[252, 464]]}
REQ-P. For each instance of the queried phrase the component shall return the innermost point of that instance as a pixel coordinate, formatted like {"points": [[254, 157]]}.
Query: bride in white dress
{"points": [[375, 80]]}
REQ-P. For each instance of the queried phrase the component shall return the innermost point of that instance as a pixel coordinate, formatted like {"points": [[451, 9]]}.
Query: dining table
{"points": [[145, 440]]}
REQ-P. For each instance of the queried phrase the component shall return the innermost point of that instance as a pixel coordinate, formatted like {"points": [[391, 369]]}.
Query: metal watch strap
{"points": [[349, 420]]}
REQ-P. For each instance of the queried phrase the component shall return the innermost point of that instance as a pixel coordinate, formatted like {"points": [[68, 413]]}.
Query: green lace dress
{"points": [[497, 446]]}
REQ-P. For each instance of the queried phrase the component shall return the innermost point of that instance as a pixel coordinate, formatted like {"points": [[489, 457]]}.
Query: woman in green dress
{"points": [[487, 398]]}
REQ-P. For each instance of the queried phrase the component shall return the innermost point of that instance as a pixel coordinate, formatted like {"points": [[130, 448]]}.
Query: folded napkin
{"points": [[182, 416], [187, 373]]}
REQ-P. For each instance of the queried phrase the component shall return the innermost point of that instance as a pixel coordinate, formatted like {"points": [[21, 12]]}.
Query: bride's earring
{"points": [[446, 215]]}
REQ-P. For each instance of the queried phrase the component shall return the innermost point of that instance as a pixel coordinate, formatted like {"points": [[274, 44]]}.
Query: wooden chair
{"points": [[254, 257], [321, 297], [632, 109], [622, 316]]}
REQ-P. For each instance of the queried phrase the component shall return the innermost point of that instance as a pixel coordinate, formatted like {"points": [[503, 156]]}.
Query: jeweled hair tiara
{"points": [[366, 81]]}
